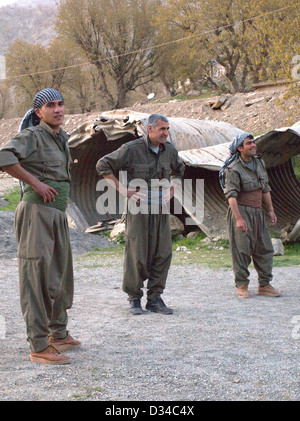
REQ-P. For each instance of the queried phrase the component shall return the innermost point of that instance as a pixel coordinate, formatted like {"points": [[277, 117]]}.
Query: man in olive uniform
{"points": [[39, 157], [244, 181], [148, 238]]}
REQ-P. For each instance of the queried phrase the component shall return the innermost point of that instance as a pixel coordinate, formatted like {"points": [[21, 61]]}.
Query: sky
{"points": [[6, 2], [22, 2]]}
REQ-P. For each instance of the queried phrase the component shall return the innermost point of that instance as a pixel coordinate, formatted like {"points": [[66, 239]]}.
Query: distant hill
{"points": [[27, 20]]}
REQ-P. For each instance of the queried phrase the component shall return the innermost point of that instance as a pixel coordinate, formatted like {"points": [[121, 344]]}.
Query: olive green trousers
{"points": [[45, 272], [255, 243], [148, 254]]}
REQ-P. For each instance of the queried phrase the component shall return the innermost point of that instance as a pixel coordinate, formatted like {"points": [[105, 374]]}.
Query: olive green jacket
{"points": [[141, 162], [40, 151], [239, 177]]}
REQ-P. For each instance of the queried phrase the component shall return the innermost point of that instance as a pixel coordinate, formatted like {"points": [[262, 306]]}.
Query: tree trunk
{"points": [[122, 93], [234, 82], [102, 87]]}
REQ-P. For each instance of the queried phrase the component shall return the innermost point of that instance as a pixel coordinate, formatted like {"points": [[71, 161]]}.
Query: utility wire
{"points": [[154, 46]]}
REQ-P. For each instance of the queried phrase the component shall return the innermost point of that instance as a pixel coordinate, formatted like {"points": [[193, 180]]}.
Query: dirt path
{"points": [[214, 347]]}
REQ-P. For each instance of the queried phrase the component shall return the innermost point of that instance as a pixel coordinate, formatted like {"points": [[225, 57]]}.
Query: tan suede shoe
{"points": [[64, 344], [269, 291], [50, 355], [243, 291]]}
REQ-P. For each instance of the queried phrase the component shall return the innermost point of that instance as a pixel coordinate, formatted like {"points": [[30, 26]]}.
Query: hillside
{"points": [[256, 112], [32, 22]]}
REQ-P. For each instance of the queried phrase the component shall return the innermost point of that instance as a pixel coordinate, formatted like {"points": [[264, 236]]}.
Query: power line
{"points": [[154, 46]]}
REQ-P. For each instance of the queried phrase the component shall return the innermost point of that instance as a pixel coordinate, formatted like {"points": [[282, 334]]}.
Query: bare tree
{"points": [[116, 36]]}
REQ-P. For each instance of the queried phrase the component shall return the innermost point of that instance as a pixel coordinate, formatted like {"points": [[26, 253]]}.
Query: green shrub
{"points": [[13, 199]]}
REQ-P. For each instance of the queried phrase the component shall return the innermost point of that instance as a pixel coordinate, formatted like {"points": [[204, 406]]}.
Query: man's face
{"points": [[158, 134], [52, 113], [248, 149]]}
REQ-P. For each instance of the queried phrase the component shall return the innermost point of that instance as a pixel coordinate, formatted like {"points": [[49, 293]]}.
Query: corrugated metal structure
{"points": [[203, 145], [277, 148]]}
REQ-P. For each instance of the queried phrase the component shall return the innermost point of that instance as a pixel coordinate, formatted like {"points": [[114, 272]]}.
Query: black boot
{"points": [[158, 306], [135, 306]]}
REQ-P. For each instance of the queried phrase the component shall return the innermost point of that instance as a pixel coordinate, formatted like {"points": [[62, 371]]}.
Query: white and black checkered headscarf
{"points": [[41, 98], [233, 148], [31, 119]]}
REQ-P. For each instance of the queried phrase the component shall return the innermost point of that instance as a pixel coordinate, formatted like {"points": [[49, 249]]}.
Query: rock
{"points": [[182, 248], [278, 247], [225, 105], [217, 103], [294, 235], [176, 225], [193, 93], [254, 101], [118, 230], [192, 234]]}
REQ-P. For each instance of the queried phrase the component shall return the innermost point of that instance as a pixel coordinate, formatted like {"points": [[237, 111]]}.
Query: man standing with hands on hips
{"points": [[244, 180], [39, 157], [152, 161]]}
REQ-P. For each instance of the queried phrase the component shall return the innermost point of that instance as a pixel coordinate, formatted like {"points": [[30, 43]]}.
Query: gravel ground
{"points": [[214, 347]]}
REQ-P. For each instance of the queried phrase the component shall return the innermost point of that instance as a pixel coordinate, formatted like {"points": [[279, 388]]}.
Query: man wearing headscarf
{"points": [[244, 181], [39, 157]]}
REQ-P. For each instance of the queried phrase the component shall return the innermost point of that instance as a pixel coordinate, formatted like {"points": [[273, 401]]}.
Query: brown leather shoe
{"points": [[269, 291], [50, 355], [243, 291], [63, 344]]}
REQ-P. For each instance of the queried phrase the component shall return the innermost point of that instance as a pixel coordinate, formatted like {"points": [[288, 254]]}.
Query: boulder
{"points": [[176, 225], [278, 247], [193, 93], [118, 231], [217, 103]]}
